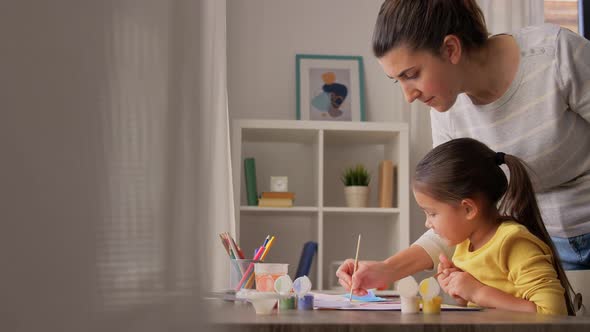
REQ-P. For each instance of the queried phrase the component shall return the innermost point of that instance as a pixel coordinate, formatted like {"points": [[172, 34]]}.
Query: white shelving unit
{"points": [[313, 154]]}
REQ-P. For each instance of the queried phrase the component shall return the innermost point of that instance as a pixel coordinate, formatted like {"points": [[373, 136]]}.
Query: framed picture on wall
{"points": [[329, 87]]}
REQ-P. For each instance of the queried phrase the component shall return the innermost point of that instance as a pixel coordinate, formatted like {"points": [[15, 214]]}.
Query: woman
{"points": [[526, 93]]}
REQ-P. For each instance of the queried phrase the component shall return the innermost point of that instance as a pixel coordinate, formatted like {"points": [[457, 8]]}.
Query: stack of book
{"points": [[276, 199]]}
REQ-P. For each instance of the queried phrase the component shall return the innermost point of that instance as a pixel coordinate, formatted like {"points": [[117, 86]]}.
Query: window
{"points": [[571, 14], [562, 12]]}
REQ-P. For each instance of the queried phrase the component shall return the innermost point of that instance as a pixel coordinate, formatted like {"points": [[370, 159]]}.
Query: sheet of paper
{"points": [[338, 302], [374, 306], [450, 307]]}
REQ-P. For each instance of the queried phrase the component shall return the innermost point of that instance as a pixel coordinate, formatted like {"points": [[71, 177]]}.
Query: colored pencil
{"points": [[232, 250], [264, 253], [266, 240], [267, 248], [250, 279], [238, 250], [224, 244], [249, 270]]}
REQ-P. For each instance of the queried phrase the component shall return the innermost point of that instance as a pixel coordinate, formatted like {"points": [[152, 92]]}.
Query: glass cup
{"points": [[237, 269], [267, 273]]}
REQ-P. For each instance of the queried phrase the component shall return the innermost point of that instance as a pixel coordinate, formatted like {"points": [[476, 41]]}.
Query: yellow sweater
{"points": [[518, 263]]}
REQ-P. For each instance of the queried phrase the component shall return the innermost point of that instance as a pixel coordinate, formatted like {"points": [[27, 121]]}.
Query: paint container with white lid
{"points": [[408, 290], [283, 286], [302, 286]]}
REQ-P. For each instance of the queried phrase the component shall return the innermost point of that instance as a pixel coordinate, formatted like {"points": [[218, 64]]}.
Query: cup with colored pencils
{"points": [[247, 280], [237, 271]]}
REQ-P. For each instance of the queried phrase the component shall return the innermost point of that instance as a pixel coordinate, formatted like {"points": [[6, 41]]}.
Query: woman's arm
{"points": [[408, 261], [373, 274], [434, 245], [422, 255], [573, 65]]}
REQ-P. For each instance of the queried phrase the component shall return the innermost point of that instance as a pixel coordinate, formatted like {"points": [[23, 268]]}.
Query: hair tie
{"points": [[500, 158]]}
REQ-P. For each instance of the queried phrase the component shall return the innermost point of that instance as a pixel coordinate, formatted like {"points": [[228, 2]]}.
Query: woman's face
{"points": [[431, 79]]}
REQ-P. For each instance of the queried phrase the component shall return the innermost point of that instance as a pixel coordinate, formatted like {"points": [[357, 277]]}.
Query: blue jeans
{"points": [[574, 252]]}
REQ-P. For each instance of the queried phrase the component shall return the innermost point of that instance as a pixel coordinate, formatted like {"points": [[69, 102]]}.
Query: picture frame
{"points": [[329, 87]]}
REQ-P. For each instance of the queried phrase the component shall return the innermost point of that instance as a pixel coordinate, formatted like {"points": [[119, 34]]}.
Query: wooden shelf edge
{"points": [[296, 209], [369, 210]]}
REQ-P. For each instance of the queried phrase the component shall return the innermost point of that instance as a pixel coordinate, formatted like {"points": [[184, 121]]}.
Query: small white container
{"points": [[410, 305], [263, 302]]}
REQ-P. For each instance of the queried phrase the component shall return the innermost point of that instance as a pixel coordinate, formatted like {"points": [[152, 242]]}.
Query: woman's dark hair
{"points": [[466, 168], [423, 25]]}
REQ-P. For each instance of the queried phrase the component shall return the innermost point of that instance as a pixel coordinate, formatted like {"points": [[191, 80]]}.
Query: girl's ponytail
{"points": [[520, 204]]}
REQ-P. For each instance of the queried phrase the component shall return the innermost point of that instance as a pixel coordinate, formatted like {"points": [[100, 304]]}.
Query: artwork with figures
{"points": [[329, 87], [329, 94]]}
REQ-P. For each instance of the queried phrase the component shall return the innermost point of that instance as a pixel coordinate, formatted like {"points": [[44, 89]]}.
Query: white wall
{"points": [[56, 65], [265, 35]]}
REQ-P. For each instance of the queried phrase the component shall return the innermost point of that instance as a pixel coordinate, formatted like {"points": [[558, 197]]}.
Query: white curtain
{"points": [[509, 15], [501, 16], [215, 184], [148, 245], [115, 163]]}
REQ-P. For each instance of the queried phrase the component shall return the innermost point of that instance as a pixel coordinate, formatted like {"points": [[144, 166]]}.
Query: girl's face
{"points": [[431, 79], [448, 221]]}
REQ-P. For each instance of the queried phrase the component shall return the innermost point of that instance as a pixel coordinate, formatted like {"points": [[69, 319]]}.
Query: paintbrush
{"points": [[356, 260]]}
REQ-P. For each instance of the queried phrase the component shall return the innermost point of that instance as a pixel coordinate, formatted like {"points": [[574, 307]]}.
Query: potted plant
{"points": [[356, 181]]}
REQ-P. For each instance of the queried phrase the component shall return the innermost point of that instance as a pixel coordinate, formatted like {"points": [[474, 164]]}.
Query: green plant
{"points": [[356, 176]]}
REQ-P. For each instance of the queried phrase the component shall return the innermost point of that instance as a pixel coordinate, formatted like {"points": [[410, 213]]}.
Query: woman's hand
{"points": [[369, 274], [444, 270]]}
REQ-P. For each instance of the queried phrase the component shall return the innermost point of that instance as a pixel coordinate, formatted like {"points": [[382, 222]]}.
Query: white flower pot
{"points": [[357, 196]]}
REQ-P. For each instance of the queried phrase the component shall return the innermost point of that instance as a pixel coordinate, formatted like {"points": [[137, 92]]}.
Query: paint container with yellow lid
{"points": [[429, 290]]}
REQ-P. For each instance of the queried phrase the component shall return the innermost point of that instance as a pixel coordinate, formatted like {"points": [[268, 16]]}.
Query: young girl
{"points": [[504, 256]]}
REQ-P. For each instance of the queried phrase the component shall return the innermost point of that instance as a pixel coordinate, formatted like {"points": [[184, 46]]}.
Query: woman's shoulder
{"points": [[536, 36], [543, 29]]}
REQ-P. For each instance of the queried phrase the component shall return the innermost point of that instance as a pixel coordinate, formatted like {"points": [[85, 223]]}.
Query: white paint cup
{"points": [[263, 302], [410, 305]]}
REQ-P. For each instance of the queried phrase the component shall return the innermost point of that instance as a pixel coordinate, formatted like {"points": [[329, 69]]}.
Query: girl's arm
{"points": [[464, 285], [494, 298]]}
